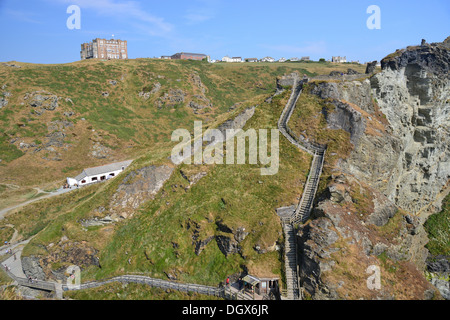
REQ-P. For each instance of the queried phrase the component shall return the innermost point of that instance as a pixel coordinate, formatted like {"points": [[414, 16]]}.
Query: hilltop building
{"points": [[233, 59], [306, 59], [251, 60], [98, 174], [339, 59], [267, 59], [190, 56], [104, 49]]}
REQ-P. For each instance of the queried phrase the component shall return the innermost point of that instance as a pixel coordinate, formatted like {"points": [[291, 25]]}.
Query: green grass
{"points": [[438, 228], [231, 193], [8, 151]]}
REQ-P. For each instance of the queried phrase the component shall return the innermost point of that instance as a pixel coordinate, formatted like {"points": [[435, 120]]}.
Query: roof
{"points": [[251, 280], [192, 54], [103, 169]]}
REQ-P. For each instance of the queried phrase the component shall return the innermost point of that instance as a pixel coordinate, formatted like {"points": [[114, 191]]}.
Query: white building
{"points": [[339, 59], [234, 59], [98, 174], [251, 60], [295, 59], [282, 60], [268, 59]]}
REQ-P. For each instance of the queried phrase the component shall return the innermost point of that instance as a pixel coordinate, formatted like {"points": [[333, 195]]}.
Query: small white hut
{"points": [[98, 174]]}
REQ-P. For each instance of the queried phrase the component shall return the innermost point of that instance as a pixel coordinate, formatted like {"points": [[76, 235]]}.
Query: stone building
{"points": [[190, 56], [104, 49]]}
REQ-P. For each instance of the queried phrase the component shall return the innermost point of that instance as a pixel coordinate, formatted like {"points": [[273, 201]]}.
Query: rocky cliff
{"points": [[399, 125], [378, 197]]}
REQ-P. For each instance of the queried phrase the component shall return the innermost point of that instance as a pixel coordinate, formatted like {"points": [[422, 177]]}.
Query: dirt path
{"points": [[47, 195]]}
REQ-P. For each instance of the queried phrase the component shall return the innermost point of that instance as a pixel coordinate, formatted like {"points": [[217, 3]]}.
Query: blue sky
{"points": [[36, 31]]}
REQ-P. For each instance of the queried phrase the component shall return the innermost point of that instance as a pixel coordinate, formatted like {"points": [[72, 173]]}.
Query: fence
{"points": [[344, 77], [156, 283]]}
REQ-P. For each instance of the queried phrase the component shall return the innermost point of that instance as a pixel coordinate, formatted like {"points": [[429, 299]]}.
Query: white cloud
{"points": [[23, 16], [204, 10], [127, 10]]}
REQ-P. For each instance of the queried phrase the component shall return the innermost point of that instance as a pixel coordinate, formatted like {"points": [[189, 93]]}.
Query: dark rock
{"points": [[335, 74], [352, 72], [439, 264], [223, 227], [227, 245], [371, 66], [200, 245]]}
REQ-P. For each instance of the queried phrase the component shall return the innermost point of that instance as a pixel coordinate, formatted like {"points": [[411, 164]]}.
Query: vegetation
{"points": [[158, 239], [438, 228], [132, 291]]}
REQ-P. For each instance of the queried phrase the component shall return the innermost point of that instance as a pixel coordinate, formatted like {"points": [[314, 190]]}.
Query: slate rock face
{"points": [[408, 160], [31, 267], [139, 186]]}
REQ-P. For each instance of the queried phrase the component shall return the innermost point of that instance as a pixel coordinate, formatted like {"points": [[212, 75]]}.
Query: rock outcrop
{"points": [[139, 186], [395, 176], [356, 227], [399, 122]]}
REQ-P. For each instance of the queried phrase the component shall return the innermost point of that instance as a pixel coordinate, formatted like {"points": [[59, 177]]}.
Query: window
{"points": [[103, 178], [94, 179], [84, 181]]}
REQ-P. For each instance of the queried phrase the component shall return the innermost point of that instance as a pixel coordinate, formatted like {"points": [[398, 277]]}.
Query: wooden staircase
{"points": [[290, 260], [303, 210]]}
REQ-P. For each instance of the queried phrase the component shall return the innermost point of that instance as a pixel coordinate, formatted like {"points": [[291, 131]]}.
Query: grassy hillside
{"points": [[62, 118], [100, 117]]}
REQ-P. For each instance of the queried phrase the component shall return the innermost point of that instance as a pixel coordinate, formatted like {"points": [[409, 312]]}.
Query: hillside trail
{"points": [[46, 195]]}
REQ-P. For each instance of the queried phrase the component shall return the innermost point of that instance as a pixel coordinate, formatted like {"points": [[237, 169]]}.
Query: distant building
{"points": [[267, 59], [294, 59], [251, 60], [282, 60], [339, 59], [104, 49], [98, 174], [166, 57], [306, 59], [190, 56], [234, 59]]}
